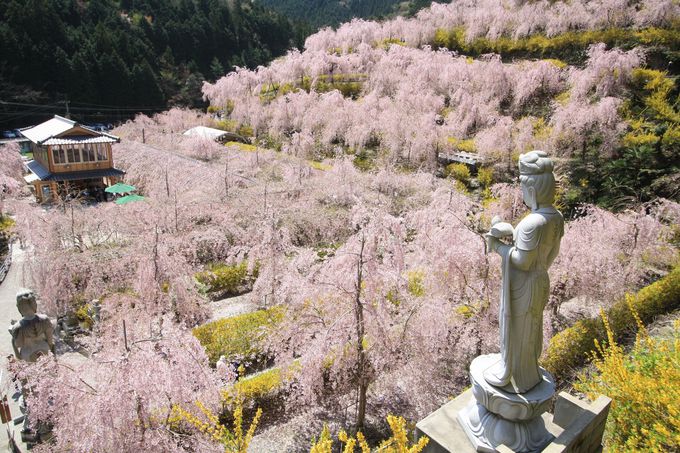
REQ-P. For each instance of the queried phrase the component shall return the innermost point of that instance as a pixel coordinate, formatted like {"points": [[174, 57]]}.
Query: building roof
{"points": [[75, 140], [31, 178], [55, 127], [41, 172], [44, 175]]}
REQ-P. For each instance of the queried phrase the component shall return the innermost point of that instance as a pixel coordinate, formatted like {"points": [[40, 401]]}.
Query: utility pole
{"points": [[68, 113]]}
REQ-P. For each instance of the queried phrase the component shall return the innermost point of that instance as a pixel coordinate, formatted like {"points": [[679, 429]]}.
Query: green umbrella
{"points": [[129, 199], [119, 187]]}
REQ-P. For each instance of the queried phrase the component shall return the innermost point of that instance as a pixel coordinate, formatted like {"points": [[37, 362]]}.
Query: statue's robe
{"points": [[32, 337], [524, 293]]}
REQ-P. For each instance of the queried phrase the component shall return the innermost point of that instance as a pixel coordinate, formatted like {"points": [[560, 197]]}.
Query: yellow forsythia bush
{"points": [[234, 440], [397, 443], [645, 390], [569, 349]]}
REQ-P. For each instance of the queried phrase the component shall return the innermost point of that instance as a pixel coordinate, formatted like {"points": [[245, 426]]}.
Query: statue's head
{"points": [[26, 303], [537, 179]]}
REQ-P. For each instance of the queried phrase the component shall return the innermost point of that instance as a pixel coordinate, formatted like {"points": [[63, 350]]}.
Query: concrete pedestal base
{"points": [[498, 417], [492, 417], [486, 430], [577, 426], [443, 429], [447, 435]]}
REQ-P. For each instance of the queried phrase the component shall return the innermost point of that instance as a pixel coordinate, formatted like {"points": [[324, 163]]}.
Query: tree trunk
{"points": [[167, 183], [226, 178], [361, 351]]}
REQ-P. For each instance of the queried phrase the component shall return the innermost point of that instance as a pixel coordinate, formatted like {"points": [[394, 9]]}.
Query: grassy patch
{"points": [[319, 165], [242, 146]]}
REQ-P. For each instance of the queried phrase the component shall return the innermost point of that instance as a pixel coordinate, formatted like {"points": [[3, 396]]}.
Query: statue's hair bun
{"points": [[535, 163]]}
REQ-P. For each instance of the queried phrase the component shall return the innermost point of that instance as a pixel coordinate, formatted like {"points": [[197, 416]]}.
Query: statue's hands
{"points": [[492, 242], [501, 230]]}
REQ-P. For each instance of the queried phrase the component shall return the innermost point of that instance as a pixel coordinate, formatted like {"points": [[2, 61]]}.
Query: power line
{"points": [[95, 109], [109, 105], [19, 114]]}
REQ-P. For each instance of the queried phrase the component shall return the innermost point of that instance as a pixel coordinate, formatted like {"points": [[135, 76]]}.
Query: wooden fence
{"points": [[6, 263]]}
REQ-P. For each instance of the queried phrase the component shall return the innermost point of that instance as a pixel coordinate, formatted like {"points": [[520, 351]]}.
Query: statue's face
{"points": [[528, 195], [26, 310], [26, 307]]}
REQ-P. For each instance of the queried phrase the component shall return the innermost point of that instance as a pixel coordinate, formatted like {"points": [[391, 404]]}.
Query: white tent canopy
{"points": [[206, 132]]}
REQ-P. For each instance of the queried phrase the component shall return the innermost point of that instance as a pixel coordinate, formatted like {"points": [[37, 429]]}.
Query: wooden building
{"points": [[69, 160]]}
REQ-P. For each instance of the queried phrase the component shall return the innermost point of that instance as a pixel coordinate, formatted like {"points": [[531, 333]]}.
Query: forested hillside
{"points": [[318, 13], [135, 55]]}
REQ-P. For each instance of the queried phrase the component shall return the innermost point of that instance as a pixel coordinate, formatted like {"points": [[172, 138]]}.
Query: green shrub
{"points": [[485, 177], [227, 279], [82, 313], [226, 125], [459, 172], [659, 99], [467, 146], [569, 349], [258, 386], [416, 282], [387, 42], [364, 160], [568, 45], [6, 223], [269, 142], [237, 337], [245, 130]]}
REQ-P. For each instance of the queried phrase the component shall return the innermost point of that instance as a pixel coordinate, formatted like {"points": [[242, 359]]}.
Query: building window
{"points": [[101, 152], [46, 192], [73, 155], [88, 153], [58, 156]]}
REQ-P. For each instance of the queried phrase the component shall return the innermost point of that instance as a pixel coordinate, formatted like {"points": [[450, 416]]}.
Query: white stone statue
{"points": [[526, 287], [32, 336], [510, 391]]}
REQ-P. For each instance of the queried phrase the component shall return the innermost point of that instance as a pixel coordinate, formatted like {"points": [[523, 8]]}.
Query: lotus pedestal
{"points": [[496, 417]]}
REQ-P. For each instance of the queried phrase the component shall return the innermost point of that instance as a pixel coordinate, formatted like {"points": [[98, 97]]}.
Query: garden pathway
{"points": [[232, 306], [8, 311]]}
